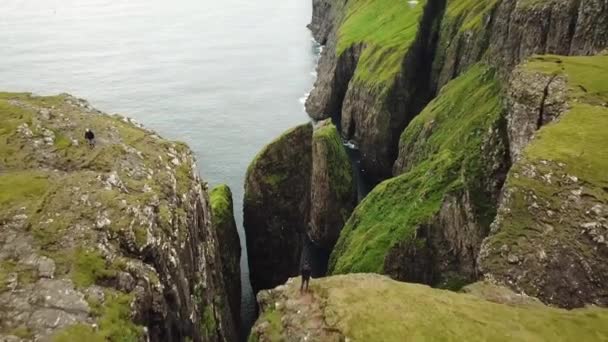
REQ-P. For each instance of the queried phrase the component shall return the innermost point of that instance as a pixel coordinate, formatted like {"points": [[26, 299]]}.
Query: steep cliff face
{"points": [[426, 225], [222, 218], [549, 238], [276, 207], [106, 243], [506, 32], [333, 195], [368, 307], [373, 74]]}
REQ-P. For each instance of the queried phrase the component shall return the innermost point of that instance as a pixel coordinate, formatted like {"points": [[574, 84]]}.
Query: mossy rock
{"points": [[276, 207], [222, 217], [333, 192]]}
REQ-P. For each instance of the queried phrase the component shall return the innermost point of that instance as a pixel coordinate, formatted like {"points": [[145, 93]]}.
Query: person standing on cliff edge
{"points": [[306, 271], [89, 136]]}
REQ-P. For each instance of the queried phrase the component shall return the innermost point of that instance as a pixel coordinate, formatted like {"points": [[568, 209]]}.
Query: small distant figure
{"points": [[90, 137], [306, 271]]}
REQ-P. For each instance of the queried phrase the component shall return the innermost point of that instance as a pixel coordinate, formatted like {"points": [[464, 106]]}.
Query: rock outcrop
{"points": [[369, 307], [333, 194], [299, 192], [276, 207], [427, 224], [109, 243], [550, 237], [222, 218]]}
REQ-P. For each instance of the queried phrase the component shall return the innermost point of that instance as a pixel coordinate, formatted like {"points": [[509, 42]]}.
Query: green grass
{"points": [[89, 267], [209, 323], [115, 323], [387, 28], [470, 13], [23, 188], [359, 306], [447, 137], [81, 332]]}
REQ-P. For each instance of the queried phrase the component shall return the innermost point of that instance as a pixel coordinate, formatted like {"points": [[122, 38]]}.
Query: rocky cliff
{"points": [[385, 60], [550, 236], [333, 194], [368, 307], [110, 243], [222, 218], [299, 192], [276, 207]]}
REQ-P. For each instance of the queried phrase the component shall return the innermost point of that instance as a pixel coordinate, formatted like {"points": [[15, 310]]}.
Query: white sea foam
{"points": [[304, 98], [351, 144]]}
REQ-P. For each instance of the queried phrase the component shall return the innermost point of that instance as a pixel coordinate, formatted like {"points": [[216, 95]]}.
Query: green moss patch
{"points": [[470, 13], [221, 205], [89, 267], [447, 138]]}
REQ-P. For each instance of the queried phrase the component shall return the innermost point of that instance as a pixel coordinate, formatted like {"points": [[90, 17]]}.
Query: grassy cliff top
{"points": [[221, 204], [387, 28], [368, 307]]}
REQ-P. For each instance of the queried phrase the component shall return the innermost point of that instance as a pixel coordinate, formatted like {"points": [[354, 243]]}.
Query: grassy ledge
{"points": [[387, 28]]}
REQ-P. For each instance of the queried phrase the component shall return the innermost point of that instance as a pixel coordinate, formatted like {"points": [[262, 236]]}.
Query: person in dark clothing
{"points": [[306, 271], [90, 137]]}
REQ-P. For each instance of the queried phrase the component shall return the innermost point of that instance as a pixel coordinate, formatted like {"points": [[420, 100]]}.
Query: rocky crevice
{"points": [[533, 100]]}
